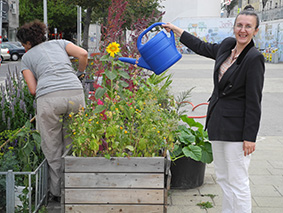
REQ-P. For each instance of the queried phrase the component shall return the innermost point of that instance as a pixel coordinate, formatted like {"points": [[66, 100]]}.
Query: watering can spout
{"points": [[140, 62]]}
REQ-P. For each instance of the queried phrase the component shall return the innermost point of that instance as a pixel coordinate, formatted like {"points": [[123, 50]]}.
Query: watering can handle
{"points": [[139, 43]]}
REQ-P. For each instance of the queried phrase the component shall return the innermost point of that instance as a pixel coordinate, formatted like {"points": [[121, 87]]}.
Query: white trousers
{"points": [[231, 169]]}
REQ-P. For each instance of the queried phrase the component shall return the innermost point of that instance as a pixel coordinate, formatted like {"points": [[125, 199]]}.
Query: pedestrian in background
{"points": [[50, 77], [234, 111]]}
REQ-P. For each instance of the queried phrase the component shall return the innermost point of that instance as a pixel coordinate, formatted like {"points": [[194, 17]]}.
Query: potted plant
{"points": [[120, 139], [192, 151]]}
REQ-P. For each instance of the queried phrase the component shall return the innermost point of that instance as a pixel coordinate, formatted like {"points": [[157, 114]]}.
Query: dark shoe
{"points": [[53, 198]]}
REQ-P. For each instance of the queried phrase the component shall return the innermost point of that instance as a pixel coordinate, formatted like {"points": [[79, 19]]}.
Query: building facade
{"points": [[10, 18], [268, 10], [190, 8]]}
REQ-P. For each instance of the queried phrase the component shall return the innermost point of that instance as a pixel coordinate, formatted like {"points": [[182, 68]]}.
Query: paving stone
{"points": [[271, 202], [264, 191], [189, 200], [266, 210], [266, 179], [185, 209]]}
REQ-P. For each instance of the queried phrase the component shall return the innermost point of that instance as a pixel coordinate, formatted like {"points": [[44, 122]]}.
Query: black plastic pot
{"points": [[187, 173]]}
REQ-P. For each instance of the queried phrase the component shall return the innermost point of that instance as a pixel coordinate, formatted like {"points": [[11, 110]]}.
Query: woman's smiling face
{"points": [[245, 29]]}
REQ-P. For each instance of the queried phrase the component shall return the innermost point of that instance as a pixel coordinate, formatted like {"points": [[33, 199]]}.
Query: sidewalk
{"points": [[266, 169]]}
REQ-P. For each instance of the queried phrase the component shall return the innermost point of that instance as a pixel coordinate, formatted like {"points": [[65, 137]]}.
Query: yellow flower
{"points": [[126, 132], [70, 115], [97, 122], [121, 127], [89, 120], [10, 148], [91, 63], [158, 132], [85, 114], [74, 133], [113, 48]]}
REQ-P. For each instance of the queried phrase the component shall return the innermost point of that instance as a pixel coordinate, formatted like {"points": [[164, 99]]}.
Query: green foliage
{"points": [[205, 205], [127, 116], [23, 153], [192, 141], [16, 102], [59, 14]]}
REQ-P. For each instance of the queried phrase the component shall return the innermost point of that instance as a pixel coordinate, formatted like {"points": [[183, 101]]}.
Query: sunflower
{"points": [[113, 48]]}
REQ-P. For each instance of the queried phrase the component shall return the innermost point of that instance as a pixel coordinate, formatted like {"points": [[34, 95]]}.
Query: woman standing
{"points": [[50, 77], [234, 110]]}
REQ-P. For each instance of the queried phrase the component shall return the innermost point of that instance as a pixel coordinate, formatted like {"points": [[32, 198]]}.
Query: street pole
{"points": [[45, 17], [1, 16], [79, 25], [239, 6]]}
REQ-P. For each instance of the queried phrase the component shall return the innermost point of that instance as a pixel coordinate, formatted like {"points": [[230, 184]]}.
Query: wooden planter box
{"points": [[96, 184]]}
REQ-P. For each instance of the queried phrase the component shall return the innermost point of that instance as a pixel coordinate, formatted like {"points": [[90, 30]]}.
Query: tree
{"points": [[97, 12], [89, 6], [60, 16], [230, 7]]}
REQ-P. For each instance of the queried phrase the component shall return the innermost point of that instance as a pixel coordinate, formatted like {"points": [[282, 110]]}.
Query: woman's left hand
{"points": [[248, 147]]}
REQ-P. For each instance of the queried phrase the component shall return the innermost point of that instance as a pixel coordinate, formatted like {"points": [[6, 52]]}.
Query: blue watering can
{"points": [[158, 54]]}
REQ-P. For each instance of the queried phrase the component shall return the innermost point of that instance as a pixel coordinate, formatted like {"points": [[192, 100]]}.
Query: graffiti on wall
{"points": [[269, 39]]}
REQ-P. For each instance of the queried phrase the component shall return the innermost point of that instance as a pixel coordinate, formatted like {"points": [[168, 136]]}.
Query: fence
{"points": [[37, 198]]}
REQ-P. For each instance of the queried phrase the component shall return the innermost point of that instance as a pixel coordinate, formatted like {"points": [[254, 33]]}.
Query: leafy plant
{"points": [[205, 205], [16, 103], [127, 116], [192, 141], [22, 153]]}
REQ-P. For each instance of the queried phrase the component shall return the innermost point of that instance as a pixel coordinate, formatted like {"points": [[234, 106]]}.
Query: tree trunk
{"points": [[86, 28]]}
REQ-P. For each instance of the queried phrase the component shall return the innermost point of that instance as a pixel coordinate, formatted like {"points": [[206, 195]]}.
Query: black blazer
{"points": [[234, 108]]}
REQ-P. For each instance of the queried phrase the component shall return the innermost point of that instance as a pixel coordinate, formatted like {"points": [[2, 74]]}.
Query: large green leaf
{"points": [[177, 150], [99, 92], [123, 84], [193, 152], [111, 74], [186, 138], [124, 74], [207, 156], [99, 109]]}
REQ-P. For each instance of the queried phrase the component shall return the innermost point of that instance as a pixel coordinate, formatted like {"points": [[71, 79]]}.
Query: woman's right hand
{"points": [[168, 27]]}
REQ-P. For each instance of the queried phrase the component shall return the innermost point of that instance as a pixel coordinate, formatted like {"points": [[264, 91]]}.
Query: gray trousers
{"points": [[52, 113]]}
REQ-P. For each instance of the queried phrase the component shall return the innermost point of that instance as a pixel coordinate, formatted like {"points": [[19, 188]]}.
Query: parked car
{"points": [[5, 55], [16, 52]]}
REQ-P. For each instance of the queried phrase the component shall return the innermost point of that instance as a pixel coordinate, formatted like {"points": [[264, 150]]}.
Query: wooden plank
{"points": [[114, 208], [101, 164], [114, 196], [114, 180]]}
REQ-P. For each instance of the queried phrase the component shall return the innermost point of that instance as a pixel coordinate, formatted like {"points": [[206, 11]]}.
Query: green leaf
{"points": [[99, 92], [124, 74], [130, 147], [177, 151], [28, 124], [99, 109], [36, 137], [207, 156], [123, 84], [104, 58], [111, 75], [193, 152]]}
